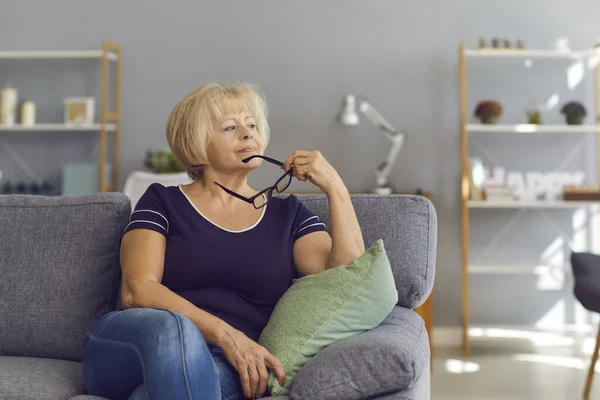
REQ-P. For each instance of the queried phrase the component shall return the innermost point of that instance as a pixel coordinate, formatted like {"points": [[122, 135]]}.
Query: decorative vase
{"points": [[28, 113], [8, 106], [575, 119], [492, 120]]}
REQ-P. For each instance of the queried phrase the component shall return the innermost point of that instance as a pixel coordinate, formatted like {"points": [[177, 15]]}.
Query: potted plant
{"points": [[574, 112], [488, 111], [534, 116], [163, 161]]}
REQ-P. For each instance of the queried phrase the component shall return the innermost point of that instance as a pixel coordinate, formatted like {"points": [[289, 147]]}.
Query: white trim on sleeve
{"points": [[149, 222], [305, 221], [318, 223], [155, 212]]}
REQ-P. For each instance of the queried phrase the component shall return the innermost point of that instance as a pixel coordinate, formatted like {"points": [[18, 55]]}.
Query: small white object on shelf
{"points": [[530, 128], [8, 106], [28, 113], [79, 111], [562, 45]]}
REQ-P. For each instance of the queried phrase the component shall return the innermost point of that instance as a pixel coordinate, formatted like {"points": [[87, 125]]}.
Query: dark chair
{"points": [[586, 273]]}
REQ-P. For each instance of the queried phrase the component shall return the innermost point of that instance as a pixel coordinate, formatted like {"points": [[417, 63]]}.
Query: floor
{"points": [[515, 369]]}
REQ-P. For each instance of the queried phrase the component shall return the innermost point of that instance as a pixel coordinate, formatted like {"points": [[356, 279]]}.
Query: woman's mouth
{"points": [[248, 150]]}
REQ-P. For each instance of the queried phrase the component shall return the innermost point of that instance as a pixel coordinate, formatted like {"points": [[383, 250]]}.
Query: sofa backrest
{"points": [[59, 270], [407, 224]]}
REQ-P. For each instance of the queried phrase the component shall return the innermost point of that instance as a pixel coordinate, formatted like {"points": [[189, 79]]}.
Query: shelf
{"points": [[528, 128], [529, 204], [527, 331], [56, 127], [528, 53], [512, 269], [27, 55], [585, 58]]}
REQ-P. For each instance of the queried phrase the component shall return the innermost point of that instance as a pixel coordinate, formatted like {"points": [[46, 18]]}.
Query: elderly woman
{"points": [[204, 264]]}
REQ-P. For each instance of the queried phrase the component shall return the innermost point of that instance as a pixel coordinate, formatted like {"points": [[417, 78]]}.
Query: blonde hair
{"points": [[191, 121]]}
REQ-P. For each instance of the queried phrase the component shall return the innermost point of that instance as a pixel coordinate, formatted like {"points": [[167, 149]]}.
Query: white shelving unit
{"points": [[57, 127], [512, 269], [529, 128], [467, 205], [529, 204], [34, 54], [109, 120], [530, 53]]}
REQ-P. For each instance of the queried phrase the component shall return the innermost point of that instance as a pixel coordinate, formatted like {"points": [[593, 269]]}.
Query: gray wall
{"points": [[306, 56]]}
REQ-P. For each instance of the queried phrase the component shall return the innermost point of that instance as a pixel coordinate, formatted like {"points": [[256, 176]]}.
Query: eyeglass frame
{"points": [[268, 189]]}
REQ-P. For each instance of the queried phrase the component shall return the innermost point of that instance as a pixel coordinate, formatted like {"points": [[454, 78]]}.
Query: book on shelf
{"points": [[497, 191], [581, 193]]}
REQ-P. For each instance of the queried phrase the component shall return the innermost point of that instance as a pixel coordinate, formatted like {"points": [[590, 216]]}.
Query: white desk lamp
{"points": [[349, 116]]}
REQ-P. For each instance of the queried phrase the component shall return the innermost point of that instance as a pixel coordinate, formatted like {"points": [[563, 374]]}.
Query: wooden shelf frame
{"points": [[110, 117], [465, 128]]}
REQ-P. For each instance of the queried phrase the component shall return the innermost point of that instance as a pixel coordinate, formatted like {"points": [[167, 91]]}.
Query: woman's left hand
{"points": [[312, 166]]}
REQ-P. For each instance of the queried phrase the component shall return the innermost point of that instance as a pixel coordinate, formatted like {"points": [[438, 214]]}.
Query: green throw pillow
{"points": [[318, 310]]}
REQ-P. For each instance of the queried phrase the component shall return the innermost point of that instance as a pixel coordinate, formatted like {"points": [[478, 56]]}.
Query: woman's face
{"points": [[234, 138]]}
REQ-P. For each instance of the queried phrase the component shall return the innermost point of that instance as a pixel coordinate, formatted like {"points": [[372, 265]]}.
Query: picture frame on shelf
{"points": [[79, 111]]}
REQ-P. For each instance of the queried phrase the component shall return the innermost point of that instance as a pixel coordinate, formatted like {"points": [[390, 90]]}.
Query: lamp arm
{"points": [[366, 108], [393, 135], [384, 169]]}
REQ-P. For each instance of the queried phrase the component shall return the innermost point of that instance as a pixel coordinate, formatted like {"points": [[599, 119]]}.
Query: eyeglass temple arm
{"points": [[234, 194], [269, 159]]}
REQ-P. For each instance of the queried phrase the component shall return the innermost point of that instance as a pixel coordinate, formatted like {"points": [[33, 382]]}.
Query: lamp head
{"points": [[349, 116]]}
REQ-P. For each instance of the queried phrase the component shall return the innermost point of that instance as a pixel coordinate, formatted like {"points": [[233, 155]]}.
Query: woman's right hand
{"points": [[251, 361]]}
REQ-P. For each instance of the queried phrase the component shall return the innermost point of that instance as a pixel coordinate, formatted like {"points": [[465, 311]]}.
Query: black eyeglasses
{"points": [[261, 199]]}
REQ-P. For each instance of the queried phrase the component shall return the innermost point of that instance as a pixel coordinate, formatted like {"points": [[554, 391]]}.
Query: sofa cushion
{"points": [[387, 359], [321, 309], [59, 262], [24, 378], [407, 224]]}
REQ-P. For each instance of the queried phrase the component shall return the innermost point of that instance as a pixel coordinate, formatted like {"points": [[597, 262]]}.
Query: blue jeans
{"points": [[148, 353]]}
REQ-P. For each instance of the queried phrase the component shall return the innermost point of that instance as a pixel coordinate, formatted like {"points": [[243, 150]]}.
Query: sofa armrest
{"points": [[407, 224], [388, 359]]}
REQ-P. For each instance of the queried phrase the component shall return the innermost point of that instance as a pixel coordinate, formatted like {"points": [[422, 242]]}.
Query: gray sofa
{"points": [[60, 273]]}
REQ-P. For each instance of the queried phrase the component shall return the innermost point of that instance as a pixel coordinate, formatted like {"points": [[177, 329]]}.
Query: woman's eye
{"points": [[252, 126], [230, 128]]}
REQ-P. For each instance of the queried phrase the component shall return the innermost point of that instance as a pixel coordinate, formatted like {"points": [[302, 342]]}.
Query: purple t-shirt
{"points": [[237, 276]]}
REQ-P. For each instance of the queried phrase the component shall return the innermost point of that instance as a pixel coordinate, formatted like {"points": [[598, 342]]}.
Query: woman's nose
{"points": [[246, 133]]}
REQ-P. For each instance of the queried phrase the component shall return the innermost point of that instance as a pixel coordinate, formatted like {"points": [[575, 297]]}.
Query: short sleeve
{"points": [[305, 221], [150, 212]]}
